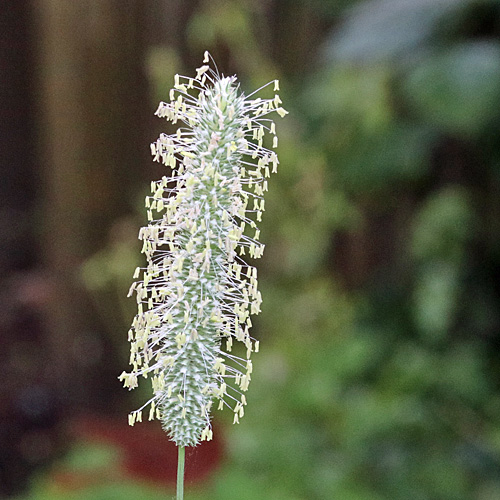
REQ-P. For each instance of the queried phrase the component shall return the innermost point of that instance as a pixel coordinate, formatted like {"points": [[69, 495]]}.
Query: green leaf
{"points": [[400, 153], [388, 28], [457, 90], [443, 225]]}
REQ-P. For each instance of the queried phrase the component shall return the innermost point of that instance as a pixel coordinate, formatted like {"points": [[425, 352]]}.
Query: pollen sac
{"points": [[196, 294]]}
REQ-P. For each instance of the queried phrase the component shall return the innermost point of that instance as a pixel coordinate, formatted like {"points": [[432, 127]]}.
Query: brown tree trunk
{"points": [[93, 103]]}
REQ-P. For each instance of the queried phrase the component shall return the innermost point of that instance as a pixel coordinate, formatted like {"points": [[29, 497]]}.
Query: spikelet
{"points": [[197, 293]]}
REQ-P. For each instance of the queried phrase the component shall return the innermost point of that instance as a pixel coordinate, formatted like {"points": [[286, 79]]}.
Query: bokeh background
{"points": [[378, 376]]}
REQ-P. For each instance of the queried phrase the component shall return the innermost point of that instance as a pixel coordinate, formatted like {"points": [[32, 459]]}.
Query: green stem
{"points": [[180, 473]]}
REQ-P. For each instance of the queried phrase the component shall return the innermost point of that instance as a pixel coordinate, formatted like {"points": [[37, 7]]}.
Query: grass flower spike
{"points": [[197, 293]]}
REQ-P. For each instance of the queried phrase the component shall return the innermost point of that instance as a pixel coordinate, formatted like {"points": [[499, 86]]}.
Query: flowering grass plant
{"points": [[197, 293]]}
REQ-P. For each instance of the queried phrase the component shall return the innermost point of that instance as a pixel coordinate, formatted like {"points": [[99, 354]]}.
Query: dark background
{"points": [[378, 377]]}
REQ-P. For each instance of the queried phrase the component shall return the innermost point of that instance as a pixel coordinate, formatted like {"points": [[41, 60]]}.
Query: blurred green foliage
{"points": [[457, 89], [378, 376], [386, 386]]}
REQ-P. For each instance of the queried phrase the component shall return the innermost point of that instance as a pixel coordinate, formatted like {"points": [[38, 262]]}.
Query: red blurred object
{"points": [[148, 454]]}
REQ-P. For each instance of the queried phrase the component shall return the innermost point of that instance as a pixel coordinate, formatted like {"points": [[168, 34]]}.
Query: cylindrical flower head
{"points": [[197, 293]]}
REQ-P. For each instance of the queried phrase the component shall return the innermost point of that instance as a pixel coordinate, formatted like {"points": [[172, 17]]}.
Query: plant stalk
{"points": [[180, 473]]}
